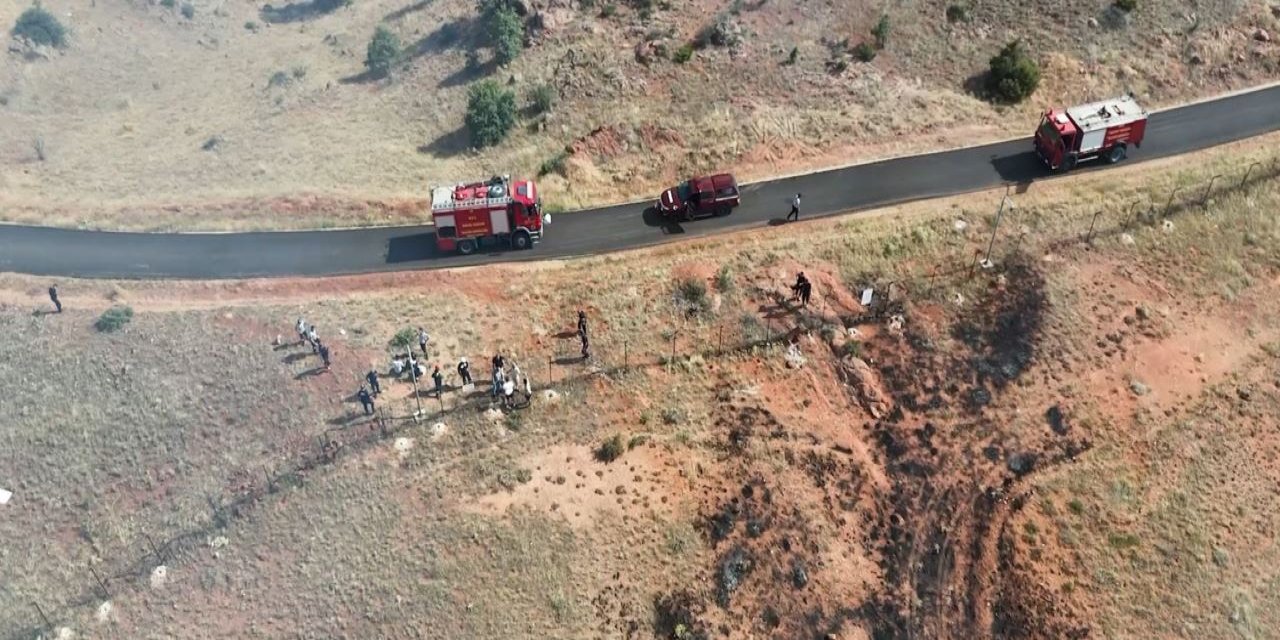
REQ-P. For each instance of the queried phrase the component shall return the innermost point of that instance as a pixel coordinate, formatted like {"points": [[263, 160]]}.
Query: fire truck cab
{"points": [[1067, 137], [469, 215]]}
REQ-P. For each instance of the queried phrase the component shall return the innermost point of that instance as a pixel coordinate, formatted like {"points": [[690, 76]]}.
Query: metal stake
{"points": [[1168, 205], [1089, 238], [996, 229], [1247, 172], [154, 548], [47, 624], [102, 583], [1204, 200]]}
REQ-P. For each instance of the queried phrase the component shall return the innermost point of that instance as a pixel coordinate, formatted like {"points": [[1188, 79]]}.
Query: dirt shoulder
{"points": [[979, 452], [239, 117]]}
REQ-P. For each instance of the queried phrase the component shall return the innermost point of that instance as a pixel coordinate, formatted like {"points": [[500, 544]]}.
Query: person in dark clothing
{"points": [[582, 323], [464, 371], [805, 291], [324, 354], [372, 377], [796, 288], [795, 209], [366, 400], [499, 362], [438, 378], [586, 347], [53, 295]]}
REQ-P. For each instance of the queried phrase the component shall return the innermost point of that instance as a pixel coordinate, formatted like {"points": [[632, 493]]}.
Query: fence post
{"points": [[1169, 205], [47, 624], [1204, 200], [973, 265], [1089, 238], [271, 483], [102, 583], [720, 340], [1247, 171], [1132, 214], [626, 357], [673, 347], [154, 548], [996, 228], [551, 376]]}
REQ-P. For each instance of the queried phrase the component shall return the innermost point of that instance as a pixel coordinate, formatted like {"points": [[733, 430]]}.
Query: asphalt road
{"points": [[98, 254]]}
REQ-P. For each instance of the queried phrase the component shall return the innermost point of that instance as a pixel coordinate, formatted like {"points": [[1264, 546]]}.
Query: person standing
{"points": [[438, 379], [586, 346], [372, 377], [324, 354], [795, 209], [464, 371], [423, 339], [302, 330], [508, 393], [366, 400], [582, 322], [796, 288], [313, 338], [53, 296], [806, 290], [528, 390]]}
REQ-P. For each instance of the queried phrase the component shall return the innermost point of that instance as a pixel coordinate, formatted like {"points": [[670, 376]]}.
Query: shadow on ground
{"points": [[300, 11]]}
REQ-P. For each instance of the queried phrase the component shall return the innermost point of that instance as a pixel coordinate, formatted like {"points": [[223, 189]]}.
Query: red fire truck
{"points": [[1067, 137], [468, 216]]}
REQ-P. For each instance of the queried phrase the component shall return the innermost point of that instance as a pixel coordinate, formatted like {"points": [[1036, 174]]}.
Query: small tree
{"points": [[40, 27], [114, 319], [881, 32], [1127, 6], [864, 52], [683, 54], [491, 113], [1014, 74], [506, 34], [383, 50], [403, 339]]}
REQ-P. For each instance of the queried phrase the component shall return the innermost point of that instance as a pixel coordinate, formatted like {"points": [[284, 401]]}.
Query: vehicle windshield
{"points": [[683, 191]]}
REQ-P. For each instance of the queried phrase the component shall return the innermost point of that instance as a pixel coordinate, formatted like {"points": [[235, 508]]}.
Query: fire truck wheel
{"points": [[520, 241], [723, 211], [1116, 154], [467, 247]]}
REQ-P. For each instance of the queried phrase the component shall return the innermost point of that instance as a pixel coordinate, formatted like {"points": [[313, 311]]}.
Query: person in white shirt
{"points": [[795, 209]]}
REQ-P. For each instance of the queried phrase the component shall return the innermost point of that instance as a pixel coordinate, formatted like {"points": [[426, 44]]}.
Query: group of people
{"points": [[505, 381], [307, 334], [802, 289]]}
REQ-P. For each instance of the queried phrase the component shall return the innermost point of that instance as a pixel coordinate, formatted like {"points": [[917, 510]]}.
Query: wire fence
{"points": [[611, 356]]}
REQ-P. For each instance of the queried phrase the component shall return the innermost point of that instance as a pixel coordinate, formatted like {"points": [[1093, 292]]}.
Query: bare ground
{"points": [[1081, 421]]}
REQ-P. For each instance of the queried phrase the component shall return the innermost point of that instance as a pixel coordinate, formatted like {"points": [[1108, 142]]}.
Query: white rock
{"points": [[158, 576], [1126, 239], [403, 446], [104, 612]]}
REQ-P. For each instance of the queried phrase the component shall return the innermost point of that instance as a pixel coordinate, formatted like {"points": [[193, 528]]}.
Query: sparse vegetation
{"points": [[403, 339], [557, 164], [491, 113], [40, 27], [793, 56], [188, 10], [383, 51], [724, 31], [611, 449], [724, 279], [881, 32], [279, 79], [1127, 6], [114, 319], [958, 13], [682, 54], [542, 97], [864, 52], [609, 10], [691, 294], [1014, 74]]}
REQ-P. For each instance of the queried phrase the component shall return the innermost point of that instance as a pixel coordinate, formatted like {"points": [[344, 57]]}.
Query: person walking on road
{"points": [[53, 296], [795, 209], [366, 400], [464, 371], [423, 339], [372, 377]]}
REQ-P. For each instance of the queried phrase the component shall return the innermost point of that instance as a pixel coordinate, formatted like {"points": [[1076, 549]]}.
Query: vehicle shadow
{"points": [[412, 247], [1020, 168], [653, 218]]}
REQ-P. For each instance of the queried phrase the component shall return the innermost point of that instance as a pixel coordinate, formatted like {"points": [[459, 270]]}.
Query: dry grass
{"points": [[471, 532], [125, 113]]}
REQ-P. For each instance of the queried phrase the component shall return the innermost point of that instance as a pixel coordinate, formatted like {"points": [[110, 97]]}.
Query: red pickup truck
{"points": [[715, 195]]}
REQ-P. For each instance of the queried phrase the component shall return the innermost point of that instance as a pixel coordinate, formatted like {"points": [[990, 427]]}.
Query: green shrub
{"points": [[1127, 6], [383, 50], [403, 339], [672, 416], [40, 27], [957, 13], [557, 164], [692, 294], [881, 32], [1014, 74], [636, 440], [724, 279], [491, 113], [542, 97], [251, 25], [794, 55], [279, 79], [864, 52], [611, 449], [609, 10], [188, 10], [168, 4], [506, 34], [683, 54], [114, 319]]}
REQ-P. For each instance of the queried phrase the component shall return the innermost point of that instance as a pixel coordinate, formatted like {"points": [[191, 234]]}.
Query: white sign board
{"points": [[866, 296], [4, 496]]}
